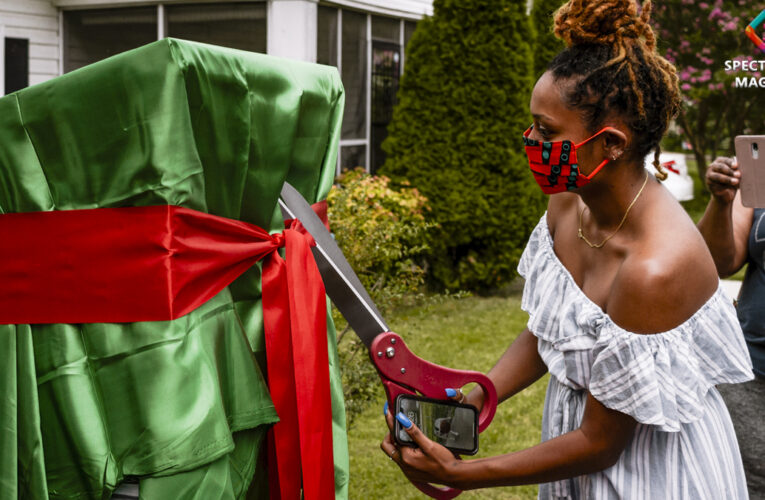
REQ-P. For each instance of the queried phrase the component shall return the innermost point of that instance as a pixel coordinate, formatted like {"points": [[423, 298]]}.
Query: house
{"points": [[364, 39]]}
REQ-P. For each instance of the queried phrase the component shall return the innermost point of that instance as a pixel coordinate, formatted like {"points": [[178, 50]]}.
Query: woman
{"points": [[634, 333], [735, 235]]}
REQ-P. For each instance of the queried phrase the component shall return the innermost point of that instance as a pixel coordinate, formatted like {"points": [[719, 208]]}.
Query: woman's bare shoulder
{"points": [[559, 206], [667, 275]]}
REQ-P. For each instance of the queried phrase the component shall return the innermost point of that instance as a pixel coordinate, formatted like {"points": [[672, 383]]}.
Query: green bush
{"points": [[382, 232], [456, 136], [546, 45]]}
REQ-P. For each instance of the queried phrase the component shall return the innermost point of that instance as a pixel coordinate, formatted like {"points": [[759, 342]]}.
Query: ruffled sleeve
{"points": [[659, 379], [662, 379]]}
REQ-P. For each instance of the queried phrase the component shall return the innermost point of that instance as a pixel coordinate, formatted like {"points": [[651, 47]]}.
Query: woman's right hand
{"points": [[474, 397], [723, 178]]}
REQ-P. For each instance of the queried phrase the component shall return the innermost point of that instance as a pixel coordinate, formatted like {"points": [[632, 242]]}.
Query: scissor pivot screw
{"points": [[392, 341], [390, 352], [403, 370], [379, 354]]}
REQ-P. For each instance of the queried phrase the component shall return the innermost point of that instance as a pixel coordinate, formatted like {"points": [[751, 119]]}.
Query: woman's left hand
{"points": [[430, 462]]}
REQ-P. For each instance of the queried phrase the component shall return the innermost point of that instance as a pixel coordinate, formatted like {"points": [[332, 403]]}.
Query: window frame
{"points": [[65, 6], [367, 140], [2, 59], [4, 42]]}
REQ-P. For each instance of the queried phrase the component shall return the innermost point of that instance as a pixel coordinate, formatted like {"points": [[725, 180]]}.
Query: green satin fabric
{"points": [[183, 404]]}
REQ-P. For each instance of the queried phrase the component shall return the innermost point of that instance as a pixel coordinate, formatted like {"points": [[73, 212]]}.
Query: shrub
{"points": [[456, 136], [382, 232], [546, 45]]}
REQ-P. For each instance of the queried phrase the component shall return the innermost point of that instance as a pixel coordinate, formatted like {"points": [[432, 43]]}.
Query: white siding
{"points": [[412, 9], [37, 21]]}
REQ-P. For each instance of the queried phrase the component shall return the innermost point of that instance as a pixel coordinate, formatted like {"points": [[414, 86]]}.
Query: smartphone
{"points": [[451, 424], [750, 154]]}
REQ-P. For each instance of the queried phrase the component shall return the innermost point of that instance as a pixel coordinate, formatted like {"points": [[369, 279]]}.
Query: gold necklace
{"points": [[592, 245]]}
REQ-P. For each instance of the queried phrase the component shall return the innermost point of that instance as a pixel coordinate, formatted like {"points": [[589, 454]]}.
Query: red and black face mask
{"points": [[554, 164]]}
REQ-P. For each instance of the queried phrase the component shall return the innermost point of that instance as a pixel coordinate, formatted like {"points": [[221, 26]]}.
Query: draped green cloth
{"points": [[182, 404]]}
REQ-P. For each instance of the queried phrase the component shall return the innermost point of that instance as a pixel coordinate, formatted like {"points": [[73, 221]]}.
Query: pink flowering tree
{"points": [[698, 37]]}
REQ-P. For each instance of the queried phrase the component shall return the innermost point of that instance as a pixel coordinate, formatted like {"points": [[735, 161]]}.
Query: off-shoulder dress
{"points": [[684, 446]]}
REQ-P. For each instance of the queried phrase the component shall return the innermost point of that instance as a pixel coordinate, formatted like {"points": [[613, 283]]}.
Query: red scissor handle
{"points": [[404, 373]]}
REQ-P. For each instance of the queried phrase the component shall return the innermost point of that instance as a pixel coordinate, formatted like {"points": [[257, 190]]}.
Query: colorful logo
{"points": [[753, 26]]}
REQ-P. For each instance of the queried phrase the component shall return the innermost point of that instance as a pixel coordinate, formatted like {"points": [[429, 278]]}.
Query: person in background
{"points": [[735, 236]]}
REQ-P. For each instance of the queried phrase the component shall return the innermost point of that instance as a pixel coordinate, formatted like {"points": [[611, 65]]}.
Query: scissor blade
{"points": [[340, 281]]}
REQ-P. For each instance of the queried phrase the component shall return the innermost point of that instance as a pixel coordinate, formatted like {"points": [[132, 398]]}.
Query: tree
{"points": [[547, 45], [456, 136], [698, 37]]}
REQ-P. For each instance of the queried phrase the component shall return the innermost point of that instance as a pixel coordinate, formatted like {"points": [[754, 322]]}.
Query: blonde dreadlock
{"points": [[611, 56]]}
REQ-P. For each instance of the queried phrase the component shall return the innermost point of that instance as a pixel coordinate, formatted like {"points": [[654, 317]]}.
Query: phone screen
{"points": [[450, 424]]}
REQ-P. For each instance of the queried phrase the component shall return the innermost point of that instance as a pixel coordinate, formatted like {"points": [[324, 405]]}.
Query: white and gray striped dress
{"points": [[684, 446]]}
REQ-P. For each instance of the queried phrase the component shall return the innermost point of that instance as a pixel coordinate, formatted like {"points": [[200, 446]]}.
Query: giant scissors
{"points": [[400, 370]]}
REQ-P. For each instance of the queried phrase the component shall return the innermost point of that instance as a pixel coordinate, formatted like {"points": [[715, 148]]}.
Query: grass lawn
{"points": [[468, 333]]}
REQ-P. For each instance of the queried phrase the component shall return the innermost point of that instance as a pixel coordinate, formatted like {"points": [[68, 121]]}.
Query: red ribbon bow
{"points": [[159, 263], [294, 358]]}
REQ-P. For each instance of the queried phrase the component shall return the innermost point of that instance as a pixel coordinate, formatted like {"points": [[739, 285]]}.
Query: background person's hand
{"points": [[723, 178]]}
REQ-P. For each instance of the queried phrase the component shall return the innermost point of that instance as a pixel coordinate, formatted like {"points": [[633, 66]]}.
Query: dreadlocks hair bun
{"points": [[607, 22], [613, 67]]}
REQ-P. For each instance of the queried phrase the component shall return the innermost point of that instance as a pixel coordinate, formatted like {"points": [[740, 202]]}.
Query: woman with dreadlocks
{"points": [[634, 333]]}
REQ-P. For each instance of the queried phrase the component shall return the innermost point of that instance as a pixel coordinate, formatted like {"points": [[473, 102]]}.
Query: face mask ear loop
{"points": [[604, 162], [597, 169], [593, 136]]}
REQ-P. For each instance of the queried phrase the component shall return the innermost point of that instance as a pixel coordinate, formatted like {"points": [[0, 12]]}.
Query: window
{"points": [[386, 69], [326, 44], [236, 25], [354, 74], [353, 156], [92, 35], [409, 27], [16, 64], [348, 39], [386, 29]]}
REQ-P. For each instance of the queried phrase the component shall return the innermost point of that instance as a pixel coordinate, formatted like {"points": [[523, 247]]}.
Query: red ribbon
{"points": [[670, 165], [296, 391], [115, 265]]}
